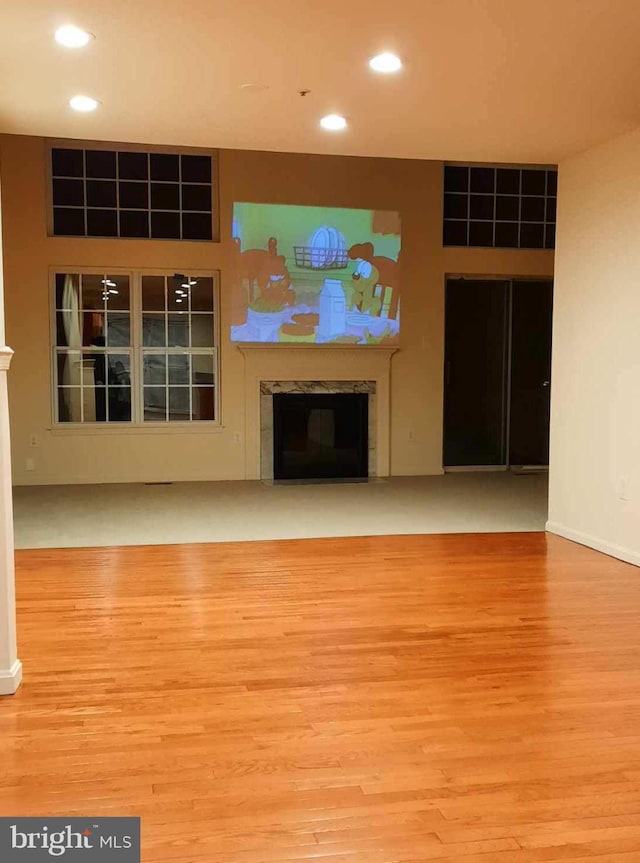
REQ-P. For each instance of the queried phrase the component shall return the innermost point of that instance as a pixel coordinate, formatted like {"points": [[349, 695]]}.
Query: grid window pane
{"points": [[68, 366], [178, 330], [179, 404], [118, 329], [134, 196], [67, 163], [202, 369], [154, 330], [96, 371], [196, 169], [550, 237], [165, 166], [134, 223], [102, 223], [165, 226], [155, 404], [69, 193], [483, 180], [101, 193], [196, 198], [517, 205], [196, 226], [68, 223], [531, 236], [507, 208], [456, 179], [118, 370], [155, 369], [551, 209], [165, 196], [481, 207], [100, 163], [203, 403], [93, 292], [202, 330], [133, 166], [532, 209], [119, 403], [178, 369], [93, 329], [117, 292], [455, 233], [508, 181], [456, 206], [201, 292], [534, 182], [137, 195], [481, 233], [507, 235], [69, 404], [153, 299]]}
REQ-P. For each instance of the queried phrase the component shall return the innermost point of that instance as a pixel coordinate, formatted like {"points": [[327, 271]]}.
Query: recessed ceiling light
{"points": [[385, 62], [72, 37], [333, 122], [83, 103]]}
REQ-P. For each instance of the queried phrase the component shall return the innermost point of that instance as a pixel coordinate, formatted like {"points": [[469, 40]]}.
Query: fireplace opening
{"points": [[320, 435]]}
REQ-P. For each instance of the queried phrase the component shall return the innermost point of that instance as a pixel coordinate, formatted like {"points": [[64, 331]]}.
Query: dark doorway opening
{"points": [[497, 372], [320, 436]]}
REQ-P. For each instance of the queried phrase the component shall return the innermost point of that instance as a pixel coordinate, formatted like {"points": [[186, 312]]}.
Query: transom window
{"points": [[508, 207], [135, 348], [109, 193]]}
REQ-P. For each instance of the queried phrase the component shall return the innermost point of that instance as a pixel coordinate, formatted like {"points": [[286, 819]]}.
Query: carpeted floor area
{"points": [[136, 514]]}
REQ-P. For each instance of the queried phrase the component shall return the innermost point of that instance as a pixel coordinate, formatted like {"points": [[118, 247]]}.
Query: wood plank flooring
{"points": [[373, 700]]}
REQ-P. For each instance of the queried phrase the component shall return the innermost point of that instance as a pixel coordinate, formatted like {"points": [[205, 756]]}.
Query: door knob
{"points": [[546, 383]]}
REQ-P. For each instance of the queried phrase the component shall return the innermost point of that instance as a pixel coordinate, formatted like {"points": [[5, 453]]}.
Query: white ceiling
{"points": [[484, 80]]}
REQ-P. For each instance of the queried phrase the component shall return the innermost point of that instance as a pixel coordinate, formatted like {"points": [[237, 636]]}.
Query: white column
{"points": [[10, 665]]}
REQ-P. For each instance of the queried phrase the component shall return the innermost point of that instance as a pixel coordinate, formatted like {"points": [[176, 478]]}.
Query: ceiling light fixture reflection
{"points": [[333, 122], [71, 36], [385, 63], [84, 104]]}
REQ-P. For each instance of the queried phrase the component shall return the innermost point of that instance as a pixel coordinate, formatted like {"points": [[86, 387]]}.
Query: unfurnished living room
{"points": [[320, 431]]}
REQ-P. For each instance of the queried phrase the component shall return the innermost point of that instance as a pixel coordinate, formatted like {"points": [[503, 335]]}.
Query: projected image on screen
{"points": [[315, 274]]}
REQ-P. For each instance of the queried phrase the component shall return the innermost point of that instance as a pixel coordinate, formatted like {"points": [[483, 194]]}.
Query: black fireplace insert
{"points": [[320, 435]]}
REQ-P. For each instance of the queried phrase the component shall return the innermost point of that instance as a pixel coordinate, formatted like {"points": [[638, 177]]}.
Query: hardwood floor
{"points": [[375, 700]]}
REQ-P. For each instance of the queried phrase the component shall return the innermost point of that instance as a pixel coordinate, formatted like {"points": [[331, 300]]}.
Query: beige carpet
{"points": [[134, 514]]}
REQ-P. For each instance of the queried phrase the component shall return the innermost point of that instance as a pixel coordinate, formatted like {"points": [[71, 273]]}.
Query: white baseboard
{"points": [[619, 551], [10, 678]]}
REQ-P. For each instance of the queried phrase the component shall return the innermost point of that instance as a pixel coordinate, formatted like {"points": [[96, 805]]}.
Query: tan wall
{"points": [[595, 422], [413, 188]]}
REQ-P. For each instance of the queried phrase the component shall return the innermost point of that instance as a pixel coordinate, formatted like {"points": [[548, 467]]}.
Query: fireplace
{"points": [[320, 435], [317, 419]]}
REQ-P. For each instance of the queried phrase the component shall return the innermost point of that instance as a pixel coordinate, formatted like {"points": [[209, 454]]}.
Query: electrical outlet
{"points": [[410, 435], [236, 437], [623, 488], [30, 464], [33, 440]]}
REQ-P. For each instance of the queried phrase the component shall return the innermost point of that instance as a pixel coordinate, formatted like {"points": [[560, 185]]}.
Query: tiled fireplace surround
{"points": [[310, 369]]}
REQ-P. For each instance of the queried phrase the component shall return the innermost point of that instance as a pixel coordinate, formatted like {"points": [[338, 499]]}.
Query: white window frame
{"points": [[137, 424]]}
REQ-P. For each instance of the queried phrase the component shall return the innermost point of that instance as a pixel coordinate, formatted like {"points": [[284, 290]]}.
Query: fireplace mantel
{"points": [[352, 350], [320, 363]]}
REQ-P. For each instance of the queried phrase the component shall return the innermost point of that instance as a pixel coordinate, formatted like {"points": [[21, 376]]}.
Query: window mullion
{"points": [[136, 347]]}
